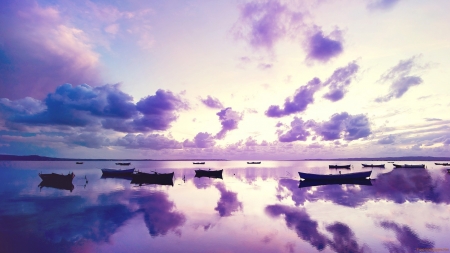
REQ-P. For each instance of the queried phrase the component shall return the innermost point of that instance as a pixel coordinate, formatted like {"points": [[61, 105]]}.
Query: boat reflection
{"points": [[60, 185], [141, 178], [126, 177], [310, 183]]}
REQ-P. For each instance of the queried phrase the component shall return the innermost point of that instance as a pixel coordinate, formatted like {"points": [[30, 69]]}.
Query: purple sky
{"points": [[256, 79]]}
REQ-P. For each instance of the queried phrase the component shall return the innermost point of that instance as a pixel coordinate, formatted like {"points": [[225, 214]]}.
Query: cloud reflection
{"points": [[228, 202]]}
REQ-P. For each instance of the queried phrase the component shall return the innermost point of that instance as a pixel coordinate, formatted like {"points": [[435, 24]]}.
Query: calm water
{"points": [[254, 208]]}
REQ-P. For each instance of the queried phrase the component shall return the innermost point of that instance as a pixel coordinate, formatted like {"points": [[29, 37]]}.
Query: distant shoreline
{"points": [[393, 159]]}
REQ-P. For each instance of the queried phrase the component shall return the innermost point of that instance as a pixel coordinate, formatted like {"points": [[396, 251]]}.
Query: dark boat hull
{"points": [[310, 183], [209, 173], [141, 178], [373, 165], [123, 164], [412, 166], [348, 176], [339, 166], [198, 163], [443, 164], [253, 162], [57, 177]]}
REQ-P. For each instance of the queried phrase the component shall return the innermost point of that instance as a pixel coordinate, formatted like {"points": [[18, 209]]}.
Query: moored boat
{"points": [[253, 162], [198, 162], [444, 164], [79, 162], [356, 175], [57, 177], [373, 165], [106, 171], [339, 166], [142, 178], [209, 173], [409, 165], [123, 164]]}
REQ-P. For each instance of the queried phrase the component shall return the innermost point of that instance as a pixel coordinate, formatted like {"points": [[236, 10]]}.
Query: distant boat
{"points": [[117, 172], [310, 183], [142, 178], [61, 185], [409, 165], [124, 164], [198, 162], [373, 165], [390, 162], [356, 175], [209, 173], [79, 162], [339, 166], [253, 162], [444, 164], [57, 177]]}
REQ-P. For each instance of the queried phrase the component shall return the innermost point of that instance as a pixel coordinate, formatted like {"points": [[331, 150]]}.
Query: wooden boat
{"points": [[444, 164], [79, 162], [356, 175], [198, 162], [310, 183], [123, 164], [209, 173], [390, 162], [117, 172], [57, 177], [373, 165], [60, 185], [339, 166], [142, 178], [409, 165], [253, 162]]}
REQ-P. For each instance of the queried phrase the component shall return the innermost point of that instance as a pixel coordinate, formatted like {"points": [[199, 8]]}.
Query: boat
{"points": [[409, 165], [209, 173], [444, 164], [253, 162], [198, 162], [142, 178], [57, 177], [310, 183], [339, 166], [356, 175], [390, 162], [373, 165], [60, 185], [106, 171], [79, 162], [124, 164]]}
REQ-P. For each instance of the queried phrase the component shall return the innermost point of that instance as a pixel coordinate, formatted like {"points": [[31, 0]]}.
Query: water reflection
{"points": [[228, 202], [407, 239], [61, 185]]}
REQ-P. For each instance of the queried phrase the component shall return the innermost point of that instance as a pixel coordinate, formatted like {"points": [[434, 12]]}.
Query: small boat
{"points": [[79, 162], [409, 165], [373, 165], [444, 164], [198, 162], [123, 164], [390, 162], [57, 177], [209, 173], [117, 172], [356, 175], [60, 185], [310, 183], [339, 166], [142, 178], [253, 162]]}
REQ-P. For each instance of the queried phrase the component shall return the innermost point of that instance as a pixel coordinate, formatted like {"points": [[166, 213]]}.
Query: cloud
{"points": [[201, 140], [151, 141], [212, 102], [228, 202], [341, 78], [381, 4], [400, 79], [40, 51], [297, 132], [322, 48], [433, 119], [302, 98], [229, 120], [104, 106], [408, 239], [387, 140], [343, 239], [343, 125]]}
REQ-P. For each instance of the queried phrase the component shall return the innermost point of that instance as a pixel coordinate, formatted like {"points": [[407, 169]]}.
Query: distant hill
{"points": [[45, 158]]}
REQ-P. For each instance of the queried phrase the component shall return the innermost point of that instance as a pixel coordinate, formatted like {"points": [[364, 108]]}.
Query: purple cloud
{"points": [[297, 132], [343, 125], [229, 120], [39, 51], [89, 140], [201, 140], [228, 202], [381, 4], [151, 141], [387, 140], [323, 48], [408, 239], [302, 98], [341, 78], [212, 102], [401, 79]]}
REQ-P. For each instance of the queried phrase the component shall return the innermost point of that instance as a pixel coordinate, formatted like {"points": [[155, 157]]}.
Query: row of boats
{"points": [[247, 162], [348, 166]]}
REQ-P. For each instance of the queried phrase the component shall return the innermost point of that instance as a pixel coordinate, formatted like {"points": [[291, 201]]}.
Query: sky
{"points": [[244, 80]]}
